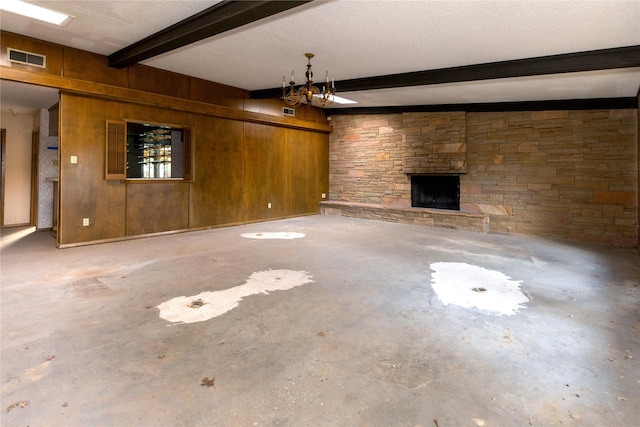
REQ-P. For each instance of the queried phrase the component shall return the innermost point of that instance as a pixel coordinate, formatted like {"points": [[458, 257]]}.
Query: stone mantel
{"points": [[431, 171]]}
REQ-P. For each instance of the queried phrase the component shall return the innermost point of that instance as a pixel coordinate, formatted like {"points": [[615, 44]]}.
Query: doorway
{"points": [[27, 161]]}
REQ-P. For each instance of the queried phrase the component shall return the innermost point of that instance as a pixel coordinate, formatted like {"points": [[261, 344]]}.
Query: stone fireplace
{"points": [[403, 168], [569, 174]]}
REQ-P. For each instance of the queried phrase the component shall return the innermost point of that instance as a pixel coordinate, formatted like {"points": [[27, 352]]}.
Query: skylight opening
{"points": [[36, 12]]}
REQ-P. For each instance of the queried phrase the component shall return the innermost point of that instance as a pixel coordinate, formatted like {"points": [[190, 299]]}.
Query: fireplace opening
{"points": [[435, 191]]}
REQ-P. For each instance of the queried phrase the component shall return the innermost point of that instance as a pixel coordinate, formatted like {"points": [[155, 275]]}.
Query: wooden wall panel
{"points": [[153, 207], [240, 167], [216, 93], [84, 193], [84, 72], [216, 194], [156, 115], [322, 150], [51, 51], [306, 171], [243, 156], [159, 81], [263, 172], [273, 107], [82, 65]]}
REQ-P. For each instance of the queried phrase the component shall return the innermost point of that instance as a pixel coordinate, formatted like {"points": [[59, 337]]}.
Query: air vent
{"points": [[27, 58], [288, 112]]}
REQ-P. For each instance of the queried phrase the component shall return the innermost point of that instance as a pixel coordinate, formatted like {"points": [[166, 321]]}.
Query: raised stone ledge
{"points": [[432, 171], [440, 218]]}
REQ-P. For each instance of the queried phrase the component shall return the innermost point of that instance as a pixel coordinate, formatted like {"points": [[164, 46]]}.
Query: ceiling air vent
{"points": [[27, 58]]}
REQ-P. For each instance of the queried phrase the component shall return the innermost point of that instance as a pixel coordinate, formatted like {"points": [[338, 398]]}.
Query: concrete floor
{"points": [[367, 343]]}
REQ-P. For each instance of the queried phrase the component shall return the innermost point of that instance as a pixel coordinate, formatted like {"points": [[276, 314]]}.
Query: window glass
{"points": [[155, 151]]}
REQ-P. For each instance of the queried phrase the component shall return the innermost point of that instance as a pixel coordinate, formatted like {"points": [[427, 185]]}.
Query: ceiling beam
{"points": [[603, 59], [224, 16], [562, 104]]}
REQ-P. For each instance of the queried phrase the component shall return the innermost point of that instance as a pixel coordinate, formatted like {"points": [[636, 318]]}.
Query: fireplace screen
{"points": [[435, 191]]}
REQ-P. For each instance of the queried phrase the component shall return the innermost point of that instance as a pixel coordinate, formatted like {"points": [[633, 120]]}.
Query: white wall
{"points": [[17, 185]]}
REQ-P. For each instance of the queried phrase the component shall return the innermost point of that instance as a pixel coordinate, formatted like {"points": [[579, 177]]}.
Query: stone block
{"points": [[563, 218], [449, 148], [385, 130], [499, 123], [549, 115], [430, 222], [629, 112], [375, 123], [625, 198], [470, 188], [528, 147]]}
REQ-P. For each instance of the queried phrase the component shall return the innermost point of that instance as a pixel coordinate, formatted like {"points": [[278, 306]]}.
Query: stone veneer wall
{"points": [[370, 155], [563, 174]]}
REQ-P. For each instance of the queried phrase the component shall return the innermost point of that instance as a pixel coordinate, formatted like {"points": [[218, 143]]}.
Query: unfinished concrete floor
{"points": [[367, 343]]}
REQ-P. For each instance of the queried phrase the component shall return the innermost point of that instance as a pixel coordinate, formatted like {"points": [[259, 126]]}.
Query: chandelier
{"points": [[308, 92]]}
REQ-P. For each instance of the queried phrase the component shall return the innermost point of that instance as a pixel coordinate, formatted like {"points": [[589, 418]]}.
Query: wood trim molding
{"points": [[99, 90]]}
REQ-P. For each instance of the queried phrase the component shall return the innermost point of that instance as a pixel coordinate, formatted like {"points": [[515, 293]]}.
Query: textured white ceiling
{"points": [[104, 27], [354, 39]]}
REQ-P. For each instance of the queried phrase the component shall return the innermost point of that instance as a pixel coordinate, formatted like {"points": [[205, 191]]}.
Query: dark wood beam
{"points": [[224, 16], [603, 59], [564, 104]]}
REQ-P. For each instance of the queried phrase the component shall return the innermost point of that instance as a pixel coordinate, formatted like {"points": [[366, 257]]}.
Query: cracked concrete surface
{"points": [[368, 343]]}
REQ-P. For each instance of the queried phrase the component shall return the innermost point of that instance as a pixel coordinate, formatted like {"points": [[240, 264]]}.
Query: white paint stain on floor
{"points": [[467, 285], [286, 235], [210, 304]]}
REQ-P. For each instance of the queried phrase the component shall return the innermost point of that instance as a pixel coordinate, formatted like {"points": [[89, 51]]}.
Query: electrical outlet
{"points": [[324, 195], [74, 159], [85, 222], [269, 205]]}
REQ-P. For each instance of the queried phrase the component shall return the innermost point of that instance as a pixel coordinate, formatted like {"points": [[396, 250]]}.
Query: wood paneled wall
{"points": [[84, 193], [240, 167], [217, 191], [246, 153]]}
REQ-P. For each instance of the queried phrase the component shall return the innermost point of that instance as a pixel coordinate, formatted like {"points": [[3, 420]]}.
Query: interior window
{"points": [[153, 151]]}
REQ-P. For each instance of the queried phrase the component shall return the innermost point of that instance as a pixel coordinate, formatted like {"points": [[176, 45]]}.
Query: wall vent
{"points": [[28, 58], [288, 111]]}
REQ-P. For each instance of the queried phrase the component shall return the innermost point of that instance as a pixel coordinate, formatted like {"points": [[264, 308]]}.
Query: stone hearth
{"points": [[455, 220]]}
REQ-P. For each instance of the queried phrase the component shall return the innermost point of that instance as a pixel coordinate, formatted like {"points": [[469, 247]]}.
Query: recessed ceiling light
{"points": [[340, 100], [36, 12]]}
